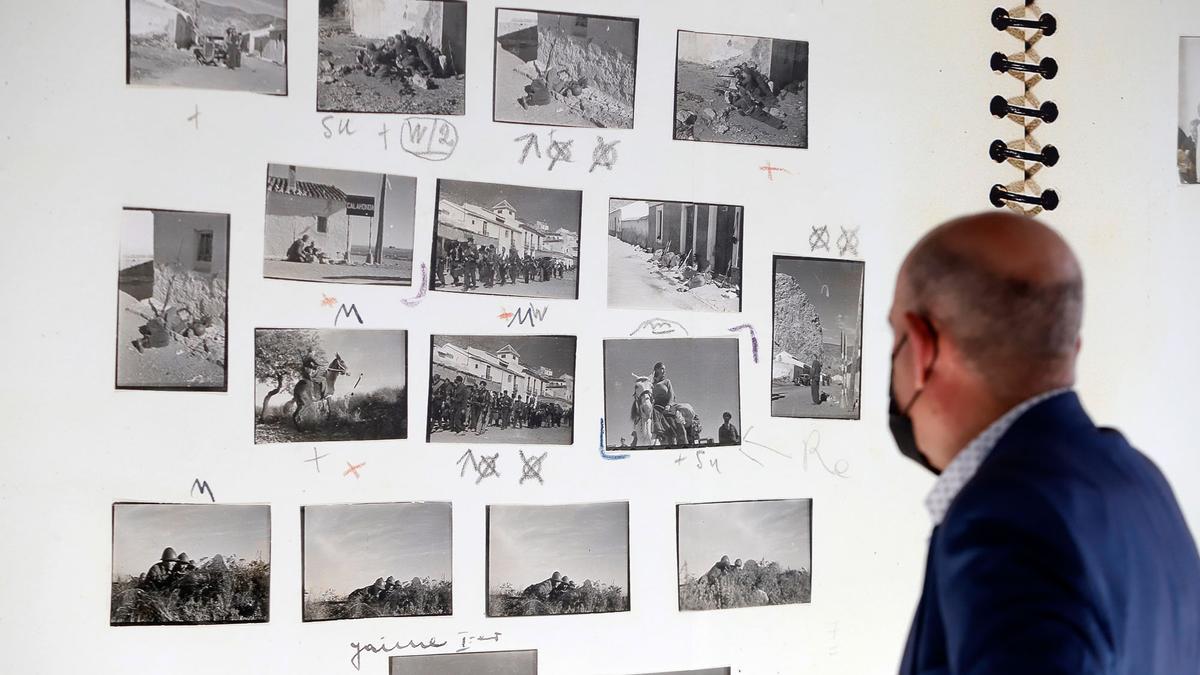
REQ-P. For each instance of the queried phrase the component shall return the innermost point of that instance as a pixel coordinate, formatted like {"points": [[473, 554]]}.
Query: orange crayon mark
{"points": [[353, 469], [328, 301]]}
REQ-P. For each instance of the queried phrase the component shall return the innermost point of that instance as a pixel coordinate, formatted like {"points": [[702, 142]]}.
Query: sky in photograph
{"points": [[515, 662], [775, 531], [555, 353], [558, 208], [142, 531], [273, 7], [348, 546], [399, 205], [1189, 81], [379, 355], [527, 544], [835, 288], [703, 372]]}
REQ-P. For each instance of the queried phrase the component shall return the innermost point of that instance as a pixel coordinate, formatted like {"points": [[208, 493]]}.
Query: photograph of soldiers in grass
{"points": [[486, 389], [558, 69], [494, 239], [335, 226], [522, 662], [238, 45], [816, 341], [363, 561], [398, 56], [744, 554], [172, 288], [558, 559], [741, 89], [190, 564], [330, 384], [663, 393]]}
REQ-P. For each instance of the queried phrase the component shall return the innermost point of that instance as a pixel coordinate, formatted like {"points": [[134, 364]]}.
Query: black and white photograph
{"points": [[664, 393], [1189, 108], [238, 45], [494, 239], [190, 564], [334, 226], [700, 671], [674, 255], [557, 559], [744, 554], [741, 89], [330, 384], [398, 56], [816, 339], [486, 389], [172, 290], [569, 70], [517, 662], [364, 561]]}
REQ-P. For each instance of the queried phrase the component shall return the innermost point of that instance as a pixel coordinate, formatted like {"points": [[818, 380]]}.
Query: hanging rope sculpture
{"points": [[1028, 24]]}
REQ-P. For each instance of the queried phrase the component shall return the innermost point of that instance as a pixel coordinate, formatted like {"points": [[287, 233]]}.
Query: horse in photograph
{"points": [[657, 425], [310, 391]]}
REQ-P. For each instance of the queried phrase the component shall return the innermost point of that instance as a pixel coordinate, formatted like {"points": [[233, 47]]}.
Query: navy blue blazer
{"points": [[1066, 553]]}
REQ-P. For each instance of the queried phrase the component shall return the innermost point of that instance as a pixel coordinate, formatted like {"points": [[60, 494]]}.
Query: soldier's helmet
{"points": [[183, 558], [737, 563], [391, 580], [168, 554], [725, 559], [556, 576], [379, 582], [566, 579]]}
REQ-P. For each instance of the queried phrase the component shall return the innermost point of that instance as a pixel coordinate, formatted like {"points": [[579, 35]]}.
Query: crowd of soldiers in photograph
{"points": [[470, 266], [460, 407]]}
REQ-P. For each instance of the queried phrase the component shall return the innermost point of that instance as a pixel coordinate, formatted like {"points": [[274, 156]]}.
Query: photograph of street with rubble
{"points": [[816, 341], [171, 296], [225, 579], [558, 69], [237, 45], [741, 89], [502, 389], [526, 244], [400, 56], [338, 226], [557, 559], [674, 255], [330, 384], [403, 547]]}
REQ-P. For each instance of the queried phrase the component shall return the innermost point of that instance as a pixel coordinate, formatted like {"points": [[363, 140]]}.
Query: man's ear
{"points": [[922, 346]]}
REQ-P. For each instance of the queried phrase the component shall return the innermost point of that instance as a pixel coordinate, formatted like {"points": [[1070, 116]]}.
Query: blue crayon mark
{"points": [[603, 452]]}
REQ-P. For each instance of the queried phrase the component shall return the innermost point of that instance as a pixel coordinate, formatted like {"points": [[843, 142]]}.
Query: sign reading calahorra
{"points": [[359, 205]]}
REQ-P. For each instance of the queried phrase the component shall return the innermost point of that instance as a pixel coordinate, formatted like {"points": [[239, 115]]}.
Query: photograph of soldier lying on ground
{"points": [[816, 345], [744, 554], [740, 89], [665, 393], [336, 226], [674, 255], [208, 44], [336, 385], [225, 578], [404, 548], [494, 239], [561, 559], [171, 295], [522, 662], [487, 389], [400, 56], [571, 70]]}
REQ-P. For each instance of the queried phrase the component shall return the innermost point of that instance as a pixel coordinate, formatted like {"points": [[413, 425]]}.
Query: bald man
{"points": [[1057, 547]]}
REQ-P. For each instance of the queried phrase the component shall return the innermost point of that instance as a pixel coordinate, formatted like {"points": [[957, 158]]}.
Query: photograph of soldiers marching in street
{"points": [[744, 554], [558, 559], [398, 56], [236, 45], [657, 390], [338, 226], [336, 385], [226, 577], [571, 70], [172, 288], [741, 89], [674, 255], [502, 389], [404, 547], [816, 341], [495, 239], [521, 662]]}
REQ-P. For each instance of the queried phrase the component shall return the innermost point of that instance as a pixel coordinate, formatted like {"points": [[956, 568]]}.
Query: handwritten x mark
{"points": [[353, 469]]}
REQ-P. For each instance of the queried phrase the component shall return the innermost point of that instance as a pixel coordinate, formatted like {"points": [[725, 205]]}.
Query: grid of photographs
{"points": [[1189, 109]]}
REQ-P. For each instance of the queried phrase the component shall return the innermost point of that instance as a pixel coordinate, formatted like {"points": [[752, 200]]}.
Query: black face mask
{"points": [[898, 420]]}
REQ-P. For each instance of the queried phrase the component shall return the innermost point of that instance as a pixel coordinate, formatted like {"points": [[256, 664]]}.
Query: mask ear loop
{"points": [[928, 369]]}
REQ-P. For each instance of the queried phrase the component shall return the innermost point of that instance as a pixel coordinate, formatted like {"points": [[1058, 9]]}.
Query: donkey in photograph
{"points": [[672, 421], [309, 391]]}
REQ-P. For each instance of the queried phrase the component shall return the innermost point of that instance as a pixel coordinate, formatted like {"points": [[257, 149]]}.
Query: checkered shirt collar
{"points": [[962, 468]]}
